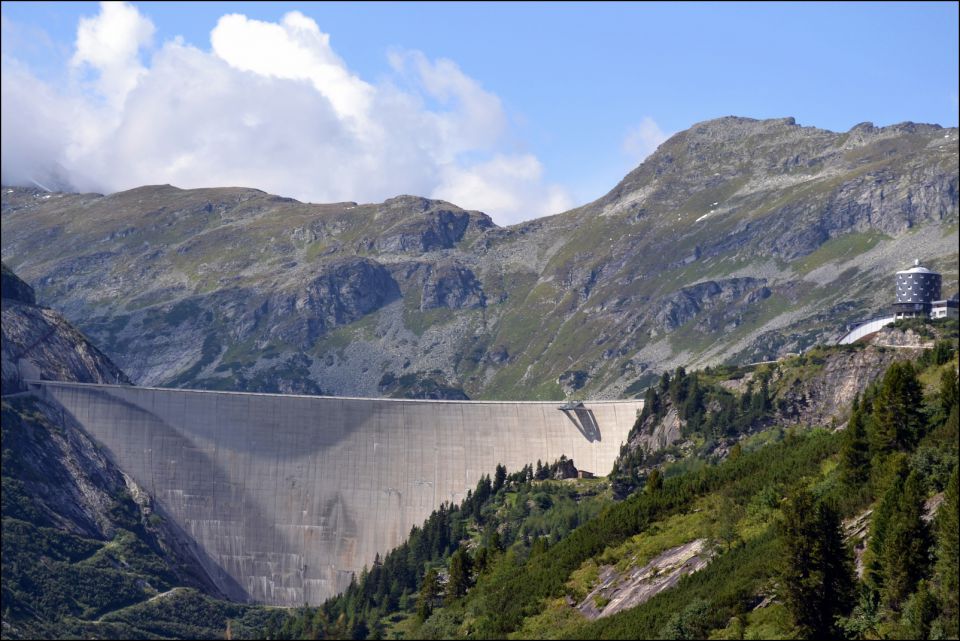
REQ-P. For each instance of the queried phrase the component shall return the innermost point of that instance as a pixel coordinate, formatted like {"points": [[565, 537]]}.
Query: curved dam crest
{"points": [[286, 497]]}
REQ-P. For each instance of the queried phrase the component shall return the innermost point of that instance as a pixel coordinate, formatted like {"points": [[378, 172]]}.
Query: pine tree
{"points": [[499, 478], [654, 481], [906, 545], [817, 572], [948, 557], [898, 420], [430, 591], [855, 453], [879, 525], [461, 566], [918, 613]]}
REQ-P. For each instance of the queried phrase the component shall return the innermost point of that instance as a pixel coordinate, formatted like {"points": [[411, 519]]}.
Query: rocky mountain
{"points": [[40, 339], [737, 241]]}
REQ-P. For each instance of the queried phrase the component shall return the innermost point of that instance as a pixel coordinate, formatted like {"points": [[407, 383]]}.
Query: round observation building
{"points": [[917, 289]]}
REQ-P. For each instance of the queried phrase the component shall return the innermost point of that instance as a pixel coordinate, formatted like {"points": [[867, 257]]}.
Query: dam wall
{"points": [[287, 496]]}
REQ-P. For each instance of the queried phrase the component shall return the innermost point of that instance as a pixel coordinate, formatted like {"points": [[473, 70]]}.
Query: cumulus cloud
{"points": [[270, 105], [110, 43], [508, 183], [642, 139]]}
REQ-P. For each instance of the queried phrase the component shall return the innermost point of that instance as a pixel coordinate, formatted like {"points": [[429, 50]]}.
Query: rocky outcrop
{"points": [[573, 380], [15, 289], [453, 286], [344, 291], [426, 385], [618, 591], [428, 227], [728, 295], [57, 482], [654, 435], [564, 469], [40, 342], [827, 393]]}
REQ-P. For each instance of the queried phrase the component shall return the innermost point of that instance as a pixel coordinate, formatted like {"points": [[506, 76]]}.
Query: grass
{"points": [[676, 530], [840, 250]]}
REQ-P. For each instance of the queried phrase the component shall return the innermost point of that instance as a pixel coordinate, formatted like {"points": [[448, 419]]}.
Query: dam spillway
{"points": [[286, 497]]}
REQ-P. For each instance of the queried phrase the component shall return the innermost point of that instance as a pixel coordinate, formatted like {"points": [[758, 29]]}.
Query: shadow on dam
{"points": [[288, 496], [194, 469]]}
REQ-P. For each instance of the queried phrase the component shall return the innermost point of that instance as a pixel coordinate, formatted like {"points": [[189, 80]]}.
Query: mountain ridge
{"points": [[778, 236]]}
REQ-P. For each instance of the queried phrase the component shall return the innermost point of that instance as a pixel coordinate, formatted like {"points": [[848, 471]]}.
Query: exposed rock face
{"points": [[621, 591], [573, 380], [726, 295], [45, 341], [565, 469], [893, 337], [424, 385], [656, 435], [828, 393], [15, 289], [61, 479], [55, 476], [343, 292], [452, 286], [436, 228], [738, 241]]}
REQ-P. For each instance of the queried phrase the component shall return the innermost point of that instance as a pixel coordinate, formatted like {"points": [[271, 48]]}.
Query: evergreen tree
{"points": [[817, 572], [906, 545], [855, 453], [918, 613], [430, 592], [499, 478], [691, 623], [948, 557], [947, 398], [898, 420], [461, 566], [873, 558], [654, 481]]}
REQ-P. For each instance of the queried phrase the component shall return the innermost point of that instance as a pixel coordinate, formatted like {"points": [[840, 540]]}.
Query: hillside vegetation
{"points": [[792, 532]]}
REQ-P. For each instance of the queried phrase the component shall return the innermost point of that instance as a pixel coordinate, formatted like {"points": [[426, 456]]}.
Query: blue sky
{"points": [[513, 108]]}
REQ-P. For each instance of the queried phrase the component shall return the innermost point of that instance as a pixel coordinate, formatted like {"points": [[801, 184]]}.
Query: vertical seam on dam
{"points": [[289, 495]]}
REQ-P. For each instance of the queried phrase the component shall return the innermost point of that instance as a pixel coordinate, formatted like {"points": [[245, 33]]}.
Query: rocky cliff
{"points": [[738, 240], [41, 341]]}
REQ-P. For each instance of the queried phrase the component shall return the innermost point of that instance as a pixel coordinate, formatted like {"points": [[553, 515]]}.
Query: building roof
{"points": [[917, 269]]}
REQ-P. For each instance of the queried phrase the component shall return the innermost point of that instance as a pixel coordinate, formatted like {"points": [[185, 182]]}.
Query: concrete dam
{"points": [[285, 497]]}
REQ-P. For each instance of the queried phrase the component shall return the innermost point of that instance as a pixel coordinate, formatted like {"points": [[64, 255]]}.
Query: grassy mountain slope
{"points": [[737, 241]]}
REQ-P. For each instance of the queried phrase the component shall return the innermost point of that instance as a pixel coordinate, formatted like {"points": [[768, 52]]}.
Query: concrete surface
{"points": [[287, 496]]}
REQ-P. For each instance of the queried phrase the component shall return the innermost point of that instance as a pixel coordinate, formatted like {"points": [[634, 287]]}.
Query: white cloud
{"points": [[505, 183], [33, 126], [110, 43], [643, 139], [295, 49], [272, 106]]}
